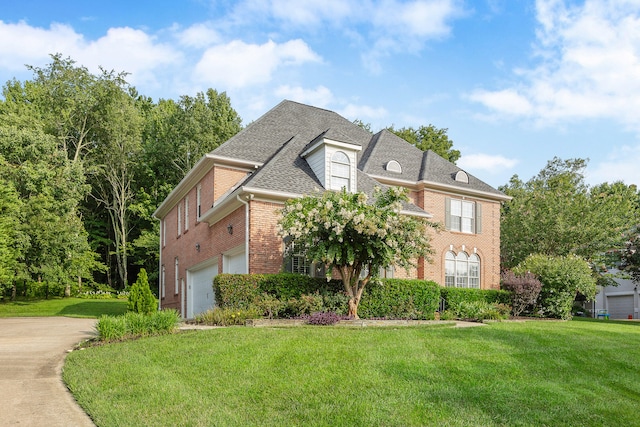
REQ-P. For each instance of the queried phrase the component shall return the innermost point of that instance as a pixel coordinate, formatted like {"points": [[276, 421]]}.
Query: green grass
{"points": [[70, 307], [505, 374]]}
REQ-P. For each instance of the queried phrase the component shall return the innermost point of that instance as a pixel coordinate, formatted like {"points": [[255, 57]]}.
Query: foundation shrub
{"points": [[480, 310], [226, 316], [237, 291], [400, 299], [524, 288], [454, 296]]}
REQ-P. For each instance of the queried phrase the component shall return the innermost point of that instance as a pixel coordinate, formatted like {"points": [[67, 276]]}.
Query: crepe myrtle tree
{"points": [[352, 235]]}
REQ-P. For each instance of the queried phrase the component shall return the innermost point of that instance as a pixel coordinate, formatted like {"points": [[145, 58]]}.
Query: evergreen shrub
{"points": [[400, 299], [141, 299]]}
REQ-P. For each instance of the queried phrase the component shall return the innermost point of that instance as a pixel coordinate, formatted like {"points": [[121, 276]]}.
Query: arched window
{"points": [[340, 171], [461, 270]]}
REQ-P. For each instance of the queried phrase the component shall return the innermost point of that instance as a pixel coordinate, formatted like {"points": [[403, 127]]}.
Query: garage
{"points": [[200, 296], [620, 306], [235, 261]]}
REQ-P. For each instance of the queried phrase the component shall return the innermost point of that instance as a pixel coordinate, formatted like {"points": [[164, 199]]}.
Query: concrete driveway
{"points": [[32, 352]]}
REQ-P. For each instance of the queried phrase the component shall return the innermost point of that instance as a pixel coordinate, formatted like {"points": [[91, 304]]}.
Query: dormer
{"points": [[333, 159]]}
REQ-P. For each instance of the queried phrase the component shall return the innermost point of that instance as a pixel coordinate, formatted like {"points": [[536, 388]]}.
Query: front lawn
{"points": [[505, 374], [70, 307]]}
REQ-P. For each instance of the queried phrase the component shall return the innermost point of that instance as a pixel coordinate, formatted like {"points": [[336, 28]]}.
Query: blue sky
{"points": [[516, 82]]}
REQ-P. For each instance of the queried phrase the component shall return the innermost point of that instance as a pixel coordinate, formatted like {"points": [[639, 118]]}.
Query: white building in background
{"points": [[621, 302]]}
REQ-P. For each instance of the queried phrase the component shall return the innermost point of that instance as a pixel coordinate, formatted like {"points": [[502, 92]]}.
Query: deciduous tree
{"points": [[556, 213], [355, 236]]}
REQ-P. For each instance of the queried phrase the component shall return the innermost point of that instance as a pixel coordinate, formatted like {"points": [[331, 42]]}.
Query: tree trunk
{"points": [[353, 308]]}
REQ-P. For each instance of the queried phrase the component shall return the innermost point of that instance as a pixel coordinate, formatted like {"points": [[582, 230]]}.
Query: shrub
{"points": [[562, 279], [268, 305], [480, 310], [220, 316], [336, 302], [323, 318], [237, 291], [524, 289], [141, 299], [132, 324], [400, 299], [111, 328], [454, 296]]}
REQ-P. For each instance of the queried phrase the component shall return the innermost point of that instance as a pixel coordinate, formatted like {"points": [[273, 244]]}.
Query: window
{"points": [[340, 171], [186, 213], [176, 274], [463, 216], [179, 219], [462, 270], [162, 282], [199, 200], [297, 263]]}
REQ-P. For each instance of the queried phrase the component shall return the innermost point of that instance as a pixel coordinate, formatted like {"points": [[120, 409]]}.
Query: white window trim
{"points": [[162, 282], [335, 173], [179, 219], [177, 278], [199, 201], [457, 279], [186, 213]]}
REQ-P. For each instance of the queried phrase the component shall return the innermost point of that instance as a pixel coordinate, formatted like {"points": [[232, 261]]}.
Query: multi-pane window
{"points": [[462, 216], [179, 219], [340, 171], [176, 274], [462, 270], [162, 282], [199, 201], [186, 213]]}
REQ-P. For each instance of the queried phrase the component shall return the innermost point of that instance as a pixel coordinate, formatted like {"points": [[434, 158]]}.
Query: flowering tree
{"points": [[352, 234]]}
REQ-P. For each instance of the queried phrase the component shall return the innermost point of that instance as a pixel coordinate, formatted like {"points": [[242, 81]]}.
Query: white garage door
{"points": [[200, 296], [620, 307], [234, 263]]}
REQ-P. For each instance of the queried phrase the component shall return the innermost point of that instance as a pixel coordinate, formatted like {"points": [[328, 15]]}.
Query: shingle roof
{"points": [[278, 138]]}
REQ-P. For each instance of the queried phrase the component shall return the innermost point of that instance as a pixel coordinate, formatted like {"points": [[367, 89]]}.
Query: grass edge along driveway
{"points": [[506, 374]]}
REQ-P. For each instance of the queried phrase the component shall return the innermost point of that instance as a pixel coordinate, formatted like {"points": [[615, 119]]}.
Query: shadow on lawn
{"points": [[94, 308]]}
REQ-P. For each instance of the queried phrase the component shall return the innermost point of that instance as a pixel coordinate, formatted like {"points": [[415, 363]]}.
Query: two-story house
{"points": [[222, 216]]}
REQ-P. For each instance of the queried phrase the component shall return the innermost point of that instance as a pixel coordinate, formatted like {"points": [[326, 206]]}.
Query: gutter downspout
{"points": [[246, 229], [160, 267]]}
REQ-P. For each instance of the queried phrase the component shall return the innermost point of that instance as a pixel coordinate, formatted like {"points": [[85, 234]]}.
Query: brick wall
{"points": [[265, 245], [486, 244]]}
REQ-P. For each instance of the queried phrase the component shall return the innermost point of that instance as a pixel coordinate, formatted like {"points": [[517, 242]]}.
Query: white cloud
{"points": [[589, 66], [311, 12], [121, 49], [318, 97], [620, 165], [422, 18], [486, 162], [198, 36], [363, 112], [238, 64]]}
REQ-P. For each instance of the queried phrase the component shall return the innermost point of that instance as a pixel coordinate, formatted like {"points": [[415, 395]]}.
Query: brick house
{"points": [[222, 216]]}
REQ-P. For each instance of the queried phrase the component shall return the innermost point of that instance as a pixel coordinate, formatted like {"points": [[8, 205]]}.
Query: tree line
{"points": [[85, 160]]}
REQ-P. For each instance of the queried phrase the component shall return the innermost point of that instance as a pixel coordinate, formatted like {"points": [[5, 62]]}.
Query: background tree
{"points": [[429, 138], [557, 213], [354, 236], [630, 255]]}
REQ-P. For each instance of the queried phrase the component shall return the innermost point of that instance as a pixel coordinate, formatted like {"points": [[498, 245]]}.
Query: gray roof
{"points": [[278, 138]]}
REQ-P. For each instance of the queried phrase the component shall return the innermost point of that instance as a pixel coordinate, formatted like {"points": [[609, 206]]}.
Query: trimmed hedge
{"points": [[400, 299], [299, 294], [455, 296]]}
